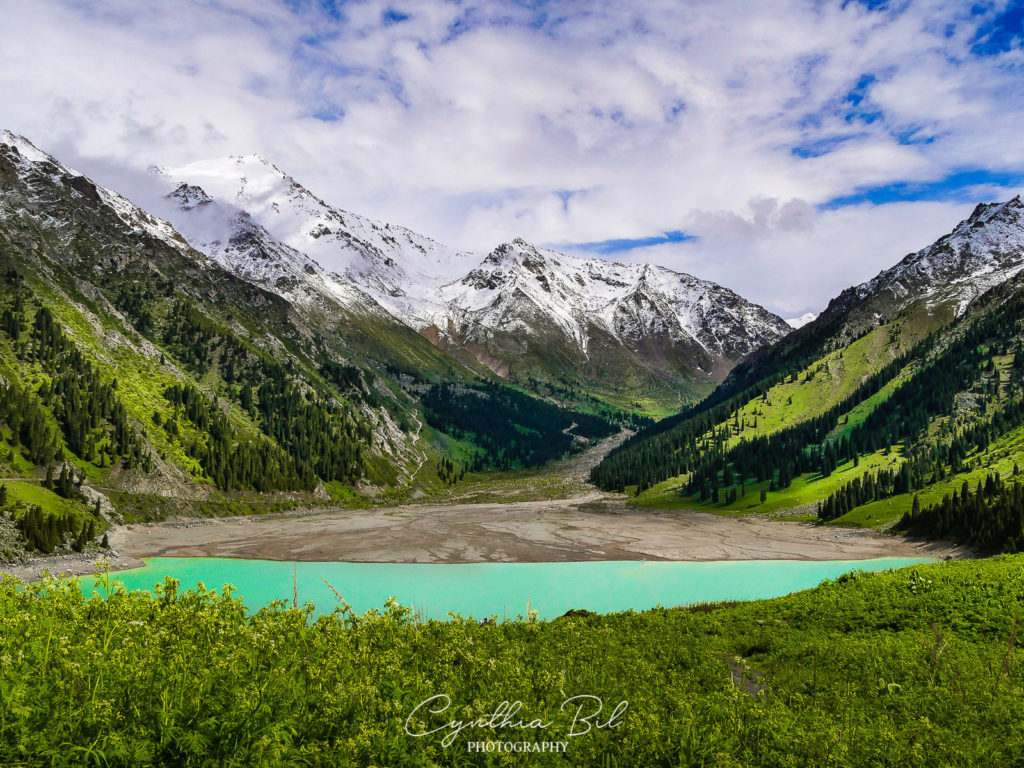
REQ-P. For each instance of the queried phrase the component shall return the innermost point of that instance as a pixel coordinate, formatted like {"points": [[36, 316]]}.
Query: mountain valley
{"points": [[248, 347], [209, 360]]}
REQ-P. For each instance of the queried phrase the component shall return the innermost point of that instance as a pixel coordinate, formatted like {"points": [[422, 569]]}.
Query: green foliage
{"points": [[233, 464], [511, 429], [990, 519], [322, 437], [86, 407], [44, 520], [691, 444], [306, 438], [950, 408], [31, 426], [915, 667]]}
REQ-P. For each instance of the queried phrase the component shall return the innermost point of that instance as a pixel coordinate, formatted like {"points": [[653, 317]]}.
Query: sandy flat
{"points": [[591, 527]]}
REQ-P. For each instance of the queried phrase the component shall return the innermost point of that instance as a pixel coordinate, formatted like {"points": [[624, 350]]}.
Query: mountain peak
{"points": [[982, 251], [29, 157], [985, 212], [190, 196], [800, 322], [253, 158], [26, 148]]}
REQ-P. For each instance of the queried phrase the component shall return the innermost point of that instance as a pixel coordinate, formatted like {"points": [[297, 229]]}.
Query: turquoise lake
{"points": [[502, 589]]}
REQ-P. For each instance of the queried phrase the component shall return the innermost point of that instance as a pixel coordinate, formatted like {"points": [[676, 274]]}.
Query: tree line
{"points": [[990, 518], [684, 446], [89, 416], [697, 447]]}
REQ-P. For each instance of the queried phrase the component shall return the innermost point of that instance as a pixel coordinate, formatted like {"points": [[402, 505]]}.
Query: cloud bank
{"points": [[786, 149]]}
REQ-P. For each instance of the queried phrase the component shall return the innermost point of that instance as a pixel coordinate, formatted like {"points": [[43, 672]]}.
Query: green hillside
{"points": [[906, 410]]}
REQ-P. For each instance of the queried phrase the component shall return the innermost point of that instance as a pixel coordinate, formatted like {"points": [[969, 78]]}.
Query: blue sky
{"points": [[786, 149]]}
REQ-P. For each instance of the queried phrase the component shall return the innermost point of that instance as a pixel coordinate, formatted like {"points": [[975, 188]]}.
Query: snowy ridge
{"points": [[260, 224], [230, 236], [800, 322], [393, 265], [29, 159], [630, 302], [247, 213], [982, 251]]}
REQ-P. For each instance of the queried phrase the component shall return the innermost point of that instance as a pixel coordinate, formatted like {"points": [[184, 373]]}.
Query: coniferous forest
{"points": [[511, 429]]}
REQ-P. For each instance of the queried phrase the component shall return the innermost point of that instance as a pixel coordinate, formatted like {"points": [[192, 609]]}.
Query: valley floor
{"points": [[593, 527], [514, 517]]}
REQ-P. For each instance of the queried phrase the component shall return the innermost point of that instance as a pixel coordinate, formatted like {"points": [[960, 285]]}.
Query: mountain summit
{"points": [[982, 251], [671, 323], [394, 266], [626, 331]]}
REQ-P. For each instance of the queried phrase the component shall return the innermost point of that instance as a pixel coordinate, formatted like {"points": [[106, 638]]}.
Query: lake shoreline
{"points": [[76, 564], [592, 527]]}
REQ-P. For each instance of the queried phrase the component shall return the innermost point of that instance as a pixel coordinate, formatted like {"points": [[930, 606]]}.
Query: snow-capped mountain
{"points": [[236, 206], [518, 302], [800, 322], [925, 291], [39, 169], [231, 236], [637, 305], [144, 306], [983, 251]]}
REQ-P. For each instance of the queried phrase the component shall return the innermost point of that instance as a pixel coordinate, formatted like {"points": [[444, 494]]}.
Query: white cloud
{"points": [[466, 120], [796, 269]]}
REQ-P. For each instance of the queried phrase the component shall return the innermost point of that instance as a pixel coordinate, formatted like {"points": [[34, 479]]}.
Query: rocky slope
{"points": [[668, 321], [982, 251], [96, 290], [246, 379], [922, 361]]}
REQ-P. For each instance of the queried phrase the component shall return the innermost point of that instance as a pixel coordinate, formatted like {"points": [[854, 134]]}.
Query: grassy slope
{"points": [[819, 386], [831, 378], [141, 379], [915, 667], [51, 503], [118, 351], [1001, 457], [805, 490]]}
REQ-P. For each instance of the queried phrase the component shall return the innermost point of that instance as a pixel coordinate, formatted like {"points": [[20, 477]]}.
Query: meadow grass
{"points": [[914, 667]]}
